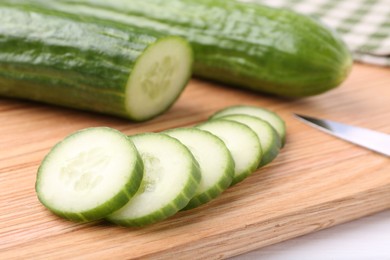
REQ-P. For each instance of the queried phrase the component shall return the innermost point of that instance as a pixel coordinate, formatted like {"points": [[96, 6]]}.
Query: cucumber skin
{"points": [[270, 50], [172, 208], [274, 152], [209, 195], [82, 63], [110, 206]]}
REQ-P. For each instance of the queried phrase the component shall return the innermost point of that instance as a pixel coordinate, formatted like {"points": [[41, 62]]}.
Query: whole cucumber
{"points": [[276, 51]]}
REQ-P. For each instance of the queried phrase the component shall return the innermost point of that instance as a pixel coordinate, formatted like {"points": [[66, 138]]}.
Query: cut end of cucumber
{"points": [[158, 78]]}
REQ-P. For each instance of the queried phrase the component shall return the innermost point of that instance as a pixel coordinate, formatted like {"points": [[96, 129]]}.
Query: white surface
{"points": [[363, 239]]}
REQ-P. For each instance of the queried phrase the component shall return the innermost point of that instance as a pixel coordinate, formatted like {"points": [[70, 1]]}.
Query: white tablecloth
{"points": [[363, 239]]}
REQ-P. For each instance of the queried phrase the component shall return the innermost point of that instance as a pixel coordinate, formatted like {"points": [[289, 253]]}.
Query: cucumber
{"points": [[269, 116], [242, 142], [215, 162], [270, 50], [89, 64], [90, 174], [171, 179], [269, 139]]}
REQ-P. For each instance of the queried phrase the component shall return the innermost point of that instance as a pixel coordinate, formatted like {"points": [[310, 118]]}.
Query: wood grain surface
{"points": [[316, 182]]}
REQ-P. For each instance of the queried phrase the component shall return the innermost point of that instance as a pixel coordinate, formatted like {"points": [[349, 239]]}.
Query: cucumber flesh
{"points": [[269, 139], [271, 117], [89, 174], [242, 142], [215, 162], [158, 78], [170, 180]]}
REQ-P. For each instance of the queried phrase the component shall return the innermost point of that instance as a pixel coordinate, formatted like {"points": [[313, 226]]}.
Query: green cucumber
{"points": [[242, 142], [89, 64], [267, 115], [171, 179], [271, 50], [268, 137], [215, 162], [90, 174]]}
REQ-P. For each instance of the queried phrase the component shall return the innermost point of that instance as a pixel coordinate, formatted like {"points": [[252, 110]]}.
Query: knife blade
{"points": [[367, 138]]}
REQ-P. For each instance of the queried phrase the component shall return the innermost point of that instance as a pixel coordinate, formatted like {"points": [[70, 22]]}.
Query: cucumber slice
{"points": [[171, 179], [89, 174], [242, 142], [271, 117], [215, 162], [268, 137]]}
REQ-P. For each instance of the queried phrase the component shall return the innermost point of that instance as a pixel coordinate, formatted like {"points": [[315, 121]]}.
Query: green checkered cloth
{"points": [[363, 24]]}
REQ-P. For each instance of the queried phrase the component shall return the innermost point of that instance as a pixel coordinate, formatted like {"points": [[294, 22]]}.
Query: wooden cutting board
{"points": [[316, 182]]}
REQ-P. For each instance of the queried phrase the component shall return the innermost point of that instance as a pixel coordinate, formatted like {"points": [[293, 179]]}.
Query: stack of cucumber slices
{"points": [[100, 173]]}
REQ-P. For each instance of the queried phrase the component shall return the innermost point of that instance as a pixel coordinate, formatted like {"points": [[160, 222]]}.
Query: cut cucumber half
{"points": [[242, 142], [89, 174], [158, 78], [269, 139], [171, 179], [271, 117], [87, 63], [215, 162]]}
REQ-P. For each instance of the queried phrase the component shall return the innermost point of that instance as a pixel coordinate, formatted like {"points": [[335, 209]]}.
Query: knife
{"points": [[372, 140]]}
